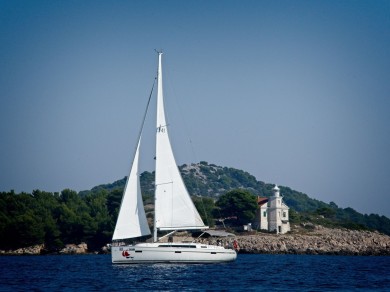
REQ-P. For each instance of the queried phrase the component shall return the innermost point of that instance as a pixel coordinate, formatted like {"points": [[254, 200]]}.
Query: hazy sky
{"points": [[294, 92]]}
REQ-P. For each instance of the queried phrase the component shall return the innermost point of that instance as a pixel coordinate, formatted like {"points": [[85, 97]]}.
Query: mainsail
{"points": [[174, 209]]}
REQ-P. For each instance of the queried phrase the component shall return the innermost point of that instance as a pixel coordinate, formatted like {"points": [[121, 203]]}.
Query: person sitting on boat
{"points": [[235, 245]]}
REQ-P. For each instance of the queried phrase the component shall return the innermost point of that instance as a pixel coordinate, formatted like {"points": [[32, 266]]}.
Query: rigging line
{"points": [[146, 110]]}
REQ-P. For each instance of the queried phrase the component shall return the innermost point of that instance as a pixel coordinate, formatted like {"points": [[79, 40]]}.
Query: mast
{"points": [[159, 93]]}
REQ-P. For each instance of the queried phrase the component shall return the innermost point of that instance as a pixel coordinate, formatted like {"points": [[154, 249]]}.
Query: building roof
{"points": [[261, 200]]}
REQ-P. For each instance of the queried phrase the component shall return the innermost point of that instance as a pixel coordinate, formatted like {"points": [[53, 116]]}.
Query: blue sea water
{"points": [[249, 273]]}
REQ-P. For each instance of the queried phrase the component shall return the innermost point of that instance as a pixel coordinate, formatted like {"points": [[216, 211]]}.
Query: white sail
{"points": [[174, 209], [131, 220]]}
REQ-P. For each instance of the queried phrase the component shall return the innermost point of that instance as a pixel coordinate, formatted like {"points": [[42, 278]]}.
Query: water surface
{"points": [[249, 272]]}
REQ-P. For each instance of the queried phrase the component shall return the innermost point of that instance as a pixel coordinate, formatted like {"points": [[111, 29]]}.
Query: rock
{"points": [[30, 250], [81, 248], [320, 240], [106, 249]]}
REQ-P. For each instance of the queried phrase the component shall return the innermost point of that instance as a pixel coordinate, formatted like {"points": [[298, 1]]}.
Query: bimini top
{"points": [[219, 233]]}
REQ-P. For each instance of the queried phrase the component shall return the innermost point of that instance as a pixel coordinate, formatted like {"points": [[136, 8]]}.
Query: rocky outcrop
{"points": [[81, 248], [39, 249], [30, 250], [105, 249], [320, 240]]}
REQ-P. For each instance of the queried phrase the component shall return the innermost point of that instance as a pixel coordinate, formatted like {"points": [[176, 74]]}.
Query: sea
{"points": [[248, 273]]}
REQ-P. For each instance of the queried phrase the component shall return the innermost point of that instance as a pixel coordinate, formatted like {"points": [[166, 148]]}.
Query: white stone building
{"points": [[272, 214]]}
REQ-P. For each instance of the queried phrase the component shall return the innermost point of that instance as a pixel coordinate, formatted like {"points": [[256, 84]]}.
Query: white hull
{"points": [[171, 253]]}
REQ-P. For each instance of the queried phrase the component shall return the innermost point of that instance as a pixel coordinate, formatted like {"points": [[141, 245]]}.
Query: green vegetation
{"points": [[57, 219], [305, 209], [205, 207], [240, 204], [89, 216]]}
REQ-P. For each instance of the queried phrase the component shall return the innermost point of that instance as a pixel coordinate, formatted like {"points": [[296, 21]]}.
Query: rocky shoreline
{"points": [[317, 240], [40, 249]]}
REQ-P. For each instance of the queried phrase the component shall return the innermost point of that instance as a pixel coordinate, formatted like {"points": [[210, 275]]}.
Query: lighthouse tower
{"points": [[278, 213]]}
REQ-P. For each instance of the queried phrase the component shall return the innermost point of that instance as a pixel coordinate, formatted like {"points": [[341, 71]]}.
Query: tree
{"points": [[326, 212], [113, 203], [294, 216], [44, 205], [99, 213], [240, 204], [205, 207]]}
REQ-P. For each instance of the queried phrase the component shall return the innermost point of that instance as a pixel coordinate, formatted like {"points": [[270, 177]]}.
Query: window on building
{"points": [[265, 214], [284, 214]]}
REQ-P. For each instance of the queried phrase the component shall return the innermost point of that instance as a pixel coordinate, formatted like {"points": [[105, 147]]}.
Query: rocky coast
{"points": [[307, 239], [318, 240], [40, 249]]}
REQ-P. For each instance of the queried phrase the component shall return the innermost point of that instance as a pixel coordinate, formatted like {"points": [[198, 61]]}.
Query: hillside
{"points": [[210, 180], [57, 219]]}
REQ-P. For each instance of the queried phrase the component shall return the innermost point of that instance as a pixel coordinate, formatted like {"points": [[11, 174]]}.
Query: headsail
{"points": [[174, 208], [132, 220]]}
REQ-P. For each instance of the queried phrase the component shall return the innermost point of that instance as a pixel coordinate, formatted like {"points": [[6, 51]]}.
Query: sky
{"points": [[294, 92]]}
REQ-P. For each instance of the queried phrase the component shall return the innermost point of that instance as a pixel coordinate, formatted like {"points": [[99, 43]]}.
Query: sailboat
{"points": [[174, 209]]}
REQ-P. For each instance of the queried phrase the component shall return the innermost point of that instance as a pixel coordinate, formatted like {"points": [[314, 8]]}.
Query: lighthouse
{"points": [[278, 213]]}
